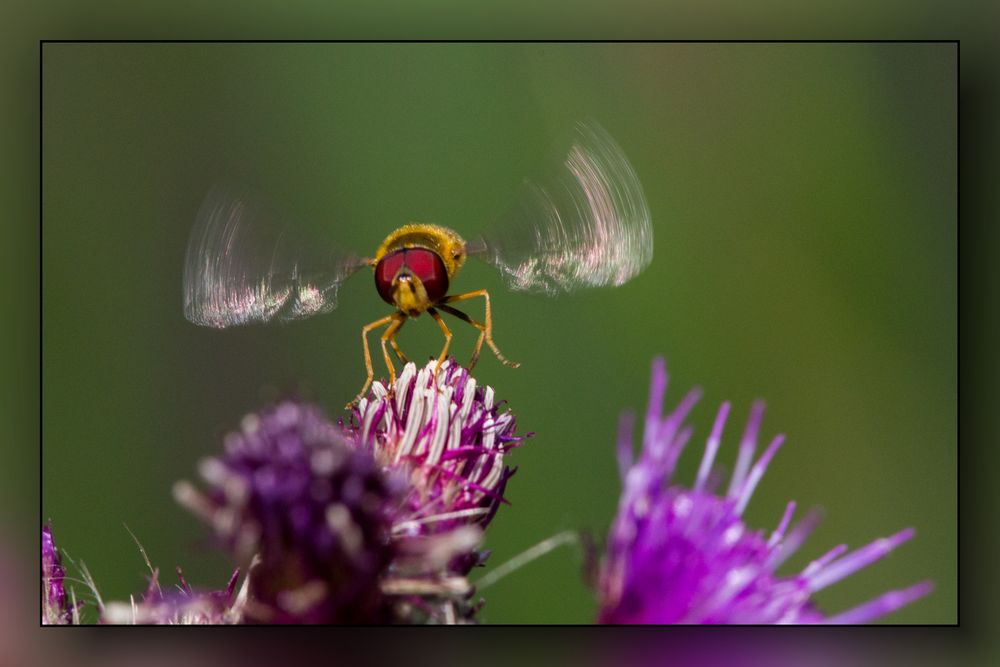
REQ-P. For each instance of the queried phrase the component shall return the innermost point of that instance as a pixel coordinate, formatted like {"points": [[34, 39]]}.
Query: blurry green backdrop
{"points": [[804, 202]]}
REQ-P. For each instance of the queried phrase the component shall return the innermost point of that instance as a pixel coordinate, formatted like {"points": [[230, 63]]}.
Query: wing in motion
{"points": [[246, 264], [585, 225]]}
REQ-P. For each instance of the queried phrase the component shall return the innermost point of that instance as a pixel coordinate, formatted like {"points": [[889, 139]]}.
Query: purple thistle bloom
{"points": [[448, 437], [684, 555], [182, 606], [315, 511], [56, 609]]}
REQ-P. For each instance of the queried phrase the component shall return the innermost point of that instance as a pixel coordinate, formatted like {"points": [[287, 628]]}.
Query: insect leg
{"points": [[479, 325], [368, 357], [392, 341], [388, 335], [447, 338], [488, 331]]}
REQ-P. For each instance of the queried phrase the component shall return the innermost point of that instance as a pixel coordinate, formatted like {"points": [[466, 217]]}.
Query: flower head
{"points": [[448, 436], [315, 510], [684, 555], [181, 606], [56, 609]]}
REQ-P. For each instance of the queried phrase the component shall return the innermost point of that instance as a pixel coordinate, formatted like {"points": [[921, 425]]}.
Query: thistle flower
{"points": [[448, 437], [56, 609], [684, 555], [318, 513], [182, 606]]}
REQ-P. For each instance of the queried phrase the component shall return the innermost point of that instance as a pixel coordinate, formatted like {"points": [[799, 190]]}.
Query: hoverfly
{"points": [[585, 224]]}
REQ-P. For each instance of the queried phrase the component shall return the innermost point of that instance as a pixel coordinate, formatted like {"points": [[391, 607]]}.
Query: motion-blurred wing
{"points": [[247, 264], [585, 225]]}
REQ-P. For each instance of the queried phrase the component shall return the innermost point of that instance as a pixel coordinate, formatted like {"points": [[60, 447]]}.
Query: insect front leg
{"points": [[395, 348], [389, 337], [368, 357], [486, 329], [447, 339], [479, 325]]}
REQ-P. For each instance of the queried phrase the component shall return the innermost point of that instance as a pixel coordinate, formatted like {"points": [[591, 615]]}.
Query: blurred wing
{"points": [[585, 225], [247, 264]]}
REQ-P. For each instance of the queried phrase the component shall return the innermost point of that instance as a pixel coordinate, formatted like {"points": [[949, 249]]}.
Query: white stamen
{"points": [[467, 397], [488, 437], [496, 472], [412, 427], [455, 436], [407, 527], [441, 427], [452, 586], [403, 384], [369, 416]]}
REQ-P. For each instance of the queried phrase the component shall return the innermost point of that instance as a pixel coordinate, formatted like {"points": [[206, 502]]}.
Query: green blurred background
{"points": [[804, 202]]}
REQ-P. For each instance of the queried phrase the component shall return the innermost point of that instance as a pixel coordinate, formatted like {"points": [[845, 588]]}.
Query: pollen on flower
{"points": [[684, 555]]}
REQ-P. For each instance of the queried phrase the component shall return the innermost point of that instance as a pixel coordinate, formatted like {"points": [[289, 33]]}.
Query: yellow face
{"points": [[415, 264]]}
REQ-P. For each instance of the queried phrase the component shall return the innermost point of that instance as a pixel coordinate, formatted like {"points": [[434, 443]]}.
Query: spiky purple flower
{"points": [[56, 609], [684, 555], [448, 436], [316, 511], [180, 606]]}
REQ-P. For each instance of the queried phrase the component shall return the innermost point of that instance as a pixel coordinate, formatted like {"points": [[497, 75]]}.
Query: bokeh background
{"points": [[804, 201]]}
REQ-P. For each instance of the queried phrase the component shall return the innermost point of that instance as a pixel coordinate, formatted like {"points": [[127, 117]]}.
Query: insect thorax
{"points": [[445, 242]]}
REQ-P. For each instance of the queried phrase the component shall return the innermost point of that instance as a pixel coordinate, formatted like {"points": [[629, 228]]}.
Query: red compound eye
{"points": [[429, 267], [385, 271], [425, 264]]}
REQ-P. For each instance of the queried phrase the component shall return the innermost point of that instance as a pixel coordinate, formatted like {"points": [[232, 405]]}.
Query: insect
{"points": [[413, 268], [584, 223]]}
